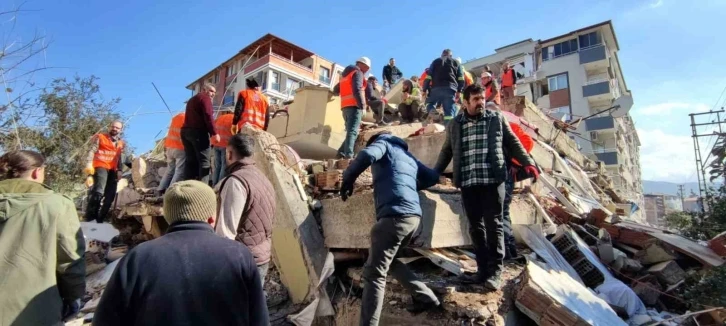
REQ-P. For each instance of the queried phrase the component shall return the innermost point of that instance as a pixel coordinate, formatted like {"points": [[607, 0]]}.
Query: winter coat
{"points": [[397, 176], [42, 250]]}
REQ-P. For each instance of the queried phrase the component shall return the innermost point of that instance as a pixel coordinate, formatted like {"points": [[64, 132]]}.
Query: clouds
{"points": [[656, 4], [666, 157], [669, 108]]}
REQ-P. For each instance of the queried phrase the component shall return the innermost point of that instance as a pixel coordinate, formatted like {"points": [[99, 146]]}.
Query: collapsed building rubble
{"points": [[589, 262]]}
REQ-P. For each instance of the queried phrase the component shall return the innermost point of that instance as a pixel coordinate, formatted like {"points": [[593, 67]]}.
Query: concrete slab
{"points": [[426, 148]]}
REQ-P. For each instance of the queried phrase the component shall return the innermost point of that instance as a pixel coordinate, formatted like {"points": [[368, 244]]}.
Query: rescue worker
{"points": [[391, 75], [104, 164], [422, 79], [223, 125], [410, 102], [448, 78], [397, 178], [491, 88], [476, 140], [197, 133], [175, 156], [509, 80], [251, 108], [352, 102], [515, 173], [246, 202], [43, 269]]}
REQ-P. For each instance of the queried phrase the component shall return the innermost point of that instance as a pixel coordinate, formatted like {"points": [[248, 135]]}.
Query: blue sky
{"points": [[671, 51]]}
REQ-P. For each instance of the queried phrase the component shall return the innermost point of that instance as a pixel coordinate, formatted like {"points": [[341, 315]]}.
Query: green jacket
{"points": [[415, 96], [502, 141], [41, 254]]}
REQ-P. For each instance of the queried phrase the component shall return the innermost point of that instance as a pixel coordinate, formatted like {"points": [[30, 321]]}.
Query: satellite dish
{"points": [[622, 106]]}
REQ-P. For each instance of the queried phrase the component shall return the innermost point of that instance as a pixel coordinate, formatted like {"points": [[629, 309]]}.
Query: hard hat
{"points": [[458, 59], [485, 74], [365, 61]]}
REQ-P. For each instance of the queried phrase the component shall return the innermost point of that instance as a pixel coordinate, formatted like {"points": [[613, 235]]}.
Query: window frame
{"points": [[557, 81]]}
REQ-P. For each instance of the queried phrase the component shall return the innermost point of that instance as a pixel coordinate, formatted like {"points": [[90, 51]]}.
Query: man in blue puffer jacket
{"points": [[397, 178]]}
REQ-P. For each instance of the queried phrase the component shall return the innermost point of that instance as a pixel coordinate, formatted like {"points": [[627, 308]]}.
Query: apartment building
{"points": [[657, 206], [279, 66], [577, 75]]}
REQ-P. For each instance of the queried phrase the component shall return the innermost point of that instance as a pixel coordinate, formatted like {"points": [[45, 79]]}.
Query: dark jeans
{"points": [[104, 188], [387, 236], [378, 110], [196, 147], [445, 97], [483, 206], [352, 116], [410, 112], [510, 249]]}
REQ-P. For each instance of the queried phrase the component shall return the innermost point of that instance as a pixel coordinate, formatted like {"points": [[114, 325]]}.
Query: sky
{"points": [[671, 51]]}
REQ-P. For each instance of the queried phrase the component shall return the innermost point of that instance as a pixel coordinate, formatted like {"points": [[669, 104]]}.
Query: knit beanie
{"points": [[189, 200]]}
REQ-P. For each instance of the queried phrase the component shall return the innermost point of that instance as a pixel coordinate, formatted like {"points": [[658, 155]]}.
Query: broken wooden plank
{"points": [[442, 261]]}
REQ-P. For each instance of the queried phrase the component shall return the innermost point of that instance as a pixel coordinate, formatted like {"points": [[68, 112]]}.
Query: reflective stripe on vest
{"points": [[255, 108], [107, 154], [508, 78], [173, 136], [223, 126], [347, 95]]}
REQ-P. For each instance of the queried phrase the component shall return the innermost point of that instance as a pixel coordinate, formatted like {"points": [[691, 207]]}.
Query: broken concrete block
{"points": [[668, 272], [653, 254], [597, 216], [426, 148], [648, 289], [401, 131]]}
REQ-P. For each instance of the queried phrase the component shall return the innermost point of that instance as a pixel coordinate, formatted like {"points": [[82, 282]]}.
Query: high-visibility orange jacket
{"points": [[223, 126], [468, 79], [508, 78], [255, 108], [488, 91], [108, 154], [173, 136], [423, 77], [347, 93], [524, 138]]}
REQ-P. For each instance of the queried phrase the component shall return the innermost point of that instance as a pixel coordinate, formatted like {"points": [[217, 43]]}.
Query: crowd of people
{"points": [[210, 265]]}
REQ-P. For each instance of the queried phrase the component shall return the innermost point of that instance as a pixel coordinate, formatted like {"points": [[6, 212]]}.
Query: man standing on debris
{"points": [[175, 156], [509, 80], [246, 202], [411, 102], [491, 88], [196, 131], [104, 164], [189, 276], [375, 101], [43, 269], [397, 178], [251, 108], [352, 102], [448, 77], [223, 125], [391, 75], [476, 141]]}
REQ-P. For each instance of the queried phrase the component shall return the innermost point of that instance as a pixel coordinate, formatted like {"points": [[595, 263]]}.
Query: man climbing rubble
{"points": [[196, 132], [447, 76], [104, 164], [175, 156], [246, 202], [252, 108], [352, 102], [188, 276], [397, 178], [476, 140]]}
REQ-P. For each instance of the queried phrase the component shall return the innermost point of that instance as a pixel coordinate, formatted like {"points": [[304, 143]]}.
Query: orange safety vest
{"points": [[347, 97], [468, 80], [508, 78], [523, 137], [173, 136], [223, 126], [489, 89], [255, 108], [423, 77], [107, 155]]}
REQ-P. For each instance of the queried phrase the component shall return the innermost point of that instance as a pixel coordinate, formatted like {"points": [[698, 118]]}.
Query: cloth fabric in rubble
{"points": [[397, 176], [246, 208], [189, 276], [43, 249]]}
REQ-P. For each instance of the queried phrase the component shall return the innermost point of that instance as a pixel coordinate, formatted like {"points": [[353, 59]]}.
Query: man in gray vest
{"points": [[246, 202]]}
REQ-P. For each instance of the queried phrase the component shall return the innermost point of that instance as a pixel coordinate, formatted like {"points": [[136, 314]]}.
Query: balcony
{"points": [[609, 156], [594, 57], [598, 91], [283, 64], [325, 80], [600, 124]]}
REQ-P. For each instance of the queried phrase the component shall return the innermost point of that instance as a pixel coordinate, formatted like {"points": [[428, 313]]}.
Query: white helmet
{"points": [[458, 59], [365, 61]]}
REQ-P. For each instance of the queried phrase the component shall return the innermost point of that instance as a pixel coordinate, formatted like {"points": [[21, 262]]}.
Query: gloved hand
{"points": [[234, 130], [71, 307], [89, 181], [531, 170], [346, 190], [89, 170]]}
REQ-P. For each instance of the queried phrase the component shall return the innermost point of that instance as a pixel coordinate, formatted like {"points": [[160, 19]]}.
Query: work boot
{"points": [[471, 279], [493, 283], [416, 307]]}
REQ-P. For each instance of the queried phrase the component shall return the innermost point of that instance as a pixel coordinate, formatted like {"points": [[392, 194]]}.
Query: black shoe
{"points": [[471, 279], [493, 283], [416, 307]]}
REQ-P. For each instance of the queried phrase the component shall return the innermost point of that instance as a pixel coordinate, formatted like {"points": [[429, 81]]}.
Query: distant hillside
{"points": [[668, 188]]}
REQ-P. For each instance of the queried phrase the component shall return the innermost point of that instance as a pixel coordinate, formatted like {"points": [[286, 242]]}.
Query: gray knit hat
{"points": [[189, 200]]}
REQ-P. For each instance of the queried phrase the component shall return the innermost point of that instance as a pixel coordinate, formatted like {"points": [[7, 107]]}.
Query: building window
{"points": [[292, 84], [210, 80], [590, 39], [324, 75], [215, 78], [231, 69], [557, 82], [559, 49], [276, 81]]}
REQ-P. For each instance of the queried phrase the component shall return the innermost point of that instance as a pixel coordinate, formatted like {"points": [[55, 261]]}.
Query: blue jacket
{"points": [[397, 176]]}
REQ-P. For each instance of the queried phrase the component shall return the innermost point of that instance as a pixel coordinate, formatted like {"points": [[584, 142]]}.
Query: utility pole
{"points": [[681, 193], [700, 162]]}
